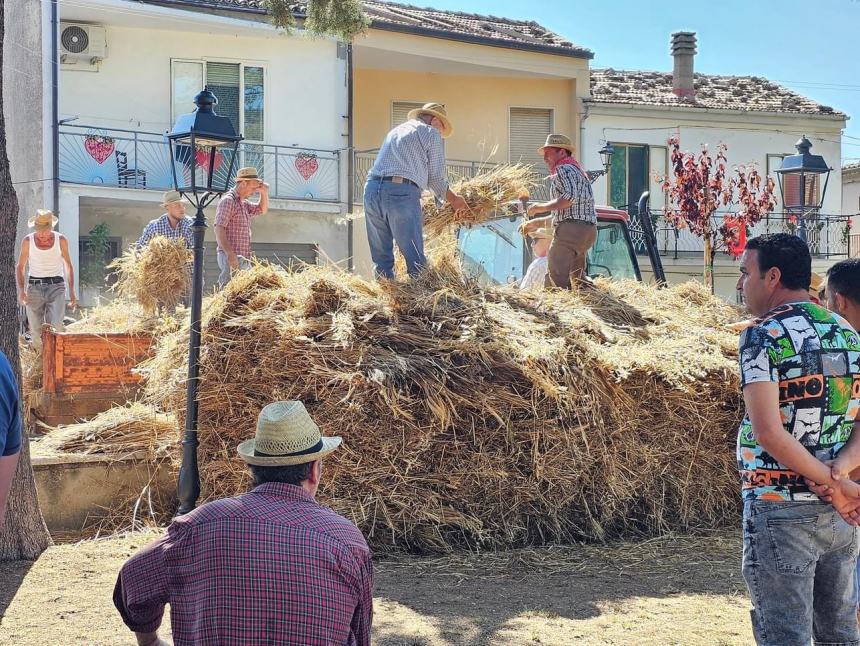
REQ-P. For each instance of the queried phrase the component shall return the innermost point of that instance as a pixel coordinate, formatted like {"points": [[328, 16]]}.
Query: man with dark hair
{"points": [[268, 567], [843, 290], [801, 399]]}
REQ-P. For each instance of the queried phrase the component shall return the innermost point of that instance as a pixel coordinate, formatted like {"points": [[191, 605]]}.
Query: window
{"points": [[400, 111], [529, 128], [240, 90], [658, 169], [628, 175]]}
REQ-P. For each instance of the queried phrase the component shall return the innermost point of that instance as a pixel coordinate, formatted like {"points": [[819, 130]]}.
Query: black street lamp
{"points": [[606, 159], [800, 181], [203, 149]]}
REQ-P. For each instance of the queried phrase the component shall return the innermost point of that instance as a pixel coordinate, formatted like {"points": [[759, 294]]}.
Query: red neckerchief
{"points": [[568, 161]]}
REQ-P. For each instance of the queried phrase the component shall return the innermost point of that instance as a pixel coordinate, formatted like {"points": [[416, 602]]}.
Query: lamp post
{"points": [[203, 149], [799, 183], [606, 159]]}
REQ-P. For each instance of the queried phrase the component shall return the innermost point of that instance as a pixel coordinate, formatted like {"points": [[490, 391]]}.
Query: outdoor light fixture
{"points": [[606, 159], [203, 148], [800, 183]]}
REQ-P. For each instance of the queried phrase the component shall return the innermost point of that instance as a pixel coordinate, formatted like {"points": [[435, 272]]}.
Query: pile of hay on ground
{"points": [[484, 194], [132, 430], [157, 275], [472, 417]]}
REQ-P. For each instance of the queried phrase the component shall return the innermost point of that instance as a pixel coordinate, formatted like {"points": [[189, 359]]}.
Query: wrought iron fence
{"points": [[141, 160], [827, 235]]}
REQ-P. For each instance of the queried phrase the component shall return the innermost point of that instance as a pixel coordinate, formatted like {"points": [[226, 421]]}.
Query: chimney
{"points": [[683, 50]]}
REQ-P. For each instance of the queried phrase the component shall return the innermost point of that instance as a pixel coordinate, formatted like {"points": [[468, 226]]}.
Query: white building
{"points": [[759, 121], [140, 66]]}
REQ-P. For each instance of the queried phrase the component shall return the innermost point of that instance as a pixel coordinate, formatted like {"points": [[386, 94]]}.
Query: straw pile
{"points": [[483, 193], [132, 430], [157, 275], [479, 418]]}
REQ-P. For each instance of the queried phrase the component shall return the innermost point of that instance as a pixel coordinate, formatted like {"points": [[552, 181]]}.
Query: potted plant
{"points": [[92, 264]]}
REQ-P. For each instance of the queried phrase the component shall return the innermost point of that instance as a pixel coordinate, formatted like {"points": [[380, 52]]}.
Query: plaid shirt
{"points": [[571, 184], [415, 151], [161, 227], [268, 567], [234, 214]]}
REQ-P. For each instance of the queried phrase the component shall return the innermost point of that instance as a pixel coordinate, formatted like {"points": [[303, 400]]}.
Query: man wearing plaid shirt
{"points": [[233, 222], [268, 567], [573, 216], [411, 159], [173, 224]]}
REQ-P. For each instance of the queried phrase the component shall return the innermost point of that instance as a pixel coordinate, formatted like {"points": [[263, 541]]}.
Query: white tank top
{"points": [[45, 263]]}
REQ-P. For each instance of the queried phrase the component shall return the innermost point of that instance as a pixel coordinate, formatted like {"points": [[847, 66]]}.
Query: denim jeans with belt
{"points": [[799, 560], [46, 303], [392, 213], [227, 271]]}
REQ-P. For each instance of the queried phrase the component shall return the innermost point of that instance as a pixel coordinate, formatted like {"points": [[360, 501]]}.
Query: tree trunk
{"points": [[23, 535], [709, 263]]}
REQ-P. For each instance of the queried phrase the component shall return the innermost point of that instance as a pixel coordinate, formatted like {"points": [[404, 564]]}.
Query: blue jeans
{"points": [[46, 305], [226, 271], [799, 561], [393, 214]]}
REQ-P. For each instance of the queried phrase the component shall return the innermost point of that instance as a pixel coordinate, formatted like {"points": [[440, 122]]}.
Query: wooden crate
{"points": [[91, 363]]}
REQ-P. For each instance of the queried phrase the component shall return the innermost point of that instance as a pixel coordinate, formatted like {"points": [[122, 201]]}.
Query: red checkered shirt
{"points": [[268, 567], [234, 214]]}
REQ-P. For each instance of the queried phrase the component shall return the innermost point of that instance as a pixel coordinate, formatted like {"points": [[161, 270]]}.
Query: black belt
{"points": [[560, 222], [396, 180], [49, 280]]}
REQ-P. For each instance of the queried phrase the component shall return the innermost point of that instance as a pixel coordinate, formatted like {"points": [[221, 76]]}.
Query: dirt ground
{"points": [[682, 590]]}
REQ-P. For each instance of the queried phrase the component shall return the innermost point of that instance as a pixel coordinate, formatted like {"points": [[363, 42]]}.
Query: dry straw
{"points": [[484, 194], [156, 275], [473, 417]]}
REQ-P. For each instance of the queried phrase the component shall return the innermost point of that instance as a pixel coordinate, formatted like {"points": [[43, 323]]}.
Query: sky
{"points": [[810, 47]]}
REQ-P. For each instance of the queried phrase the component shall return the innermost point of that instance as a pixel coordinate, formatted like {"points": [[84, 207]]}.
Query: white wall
{"points": [[749, 137], [851, 196], [305, 92]]}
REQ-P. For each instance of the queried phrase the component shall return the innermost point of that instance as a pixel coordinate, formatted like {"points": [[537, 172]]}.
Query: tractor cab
{"points": [[496, 253]]}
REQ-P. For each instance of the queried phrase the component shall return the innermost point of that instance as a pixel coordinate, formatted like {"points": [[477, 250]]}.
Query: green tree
{"points": [[342, 19]]}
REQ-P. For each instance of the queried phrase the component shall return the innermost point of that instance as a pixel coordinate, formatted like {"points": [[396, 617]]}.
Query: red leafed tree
{"points": [[698, 186]]}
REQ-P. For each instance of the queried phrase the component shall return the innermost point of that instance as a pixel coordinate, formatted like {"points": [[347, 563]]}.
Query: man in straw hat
{"points": [[799, 381], [172, 224], [267, 567], [410, 160], [573, 217], [44, 260], [535, 277], [233, 221]]}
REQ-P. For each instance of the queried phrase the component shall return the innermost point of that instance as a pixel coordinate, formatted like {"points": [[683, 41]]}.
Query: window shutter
{"points": [[400, 111], [529, 130], [223, 80]]}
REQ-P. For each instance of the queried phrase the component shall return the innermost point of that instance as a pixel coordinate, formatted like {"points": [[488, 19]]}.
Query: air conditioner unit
{"points": [[82, 44]]}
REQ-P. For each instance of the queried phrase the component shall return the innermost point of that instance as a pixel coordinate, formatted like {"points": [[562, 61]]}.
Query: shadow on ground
{"points": [[474, 600], [13, 574]]}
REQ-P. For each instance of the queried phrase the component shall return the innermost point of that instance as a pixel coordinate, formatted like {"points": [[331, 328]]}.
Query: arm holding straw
{"points": [[437, 176]]}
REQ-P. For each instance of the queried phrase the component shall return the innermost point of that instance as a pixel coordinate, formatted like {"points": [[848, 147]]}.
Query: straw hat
{"points": [[286, 435], [247, 174], [557, 141], [43, 220], [437, 110], [542, 233], [816, 283], [173, 197]]}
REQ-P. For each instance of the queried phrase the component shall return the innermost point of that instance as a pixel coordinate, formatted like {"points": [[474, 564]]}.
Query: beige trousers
{"points": [[568, 252]]}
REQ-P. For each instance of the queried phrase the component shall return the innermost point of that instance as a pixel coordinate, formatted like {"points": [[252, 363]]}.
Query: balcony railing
{"points": [[457, 170], [141, 160], [828, 236]]}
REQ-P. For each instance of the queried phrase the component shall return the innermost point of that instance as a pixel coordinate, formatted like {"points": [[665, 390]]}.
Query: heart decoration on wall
{"points": [[307, 164], [99, 147], [202, 159]]}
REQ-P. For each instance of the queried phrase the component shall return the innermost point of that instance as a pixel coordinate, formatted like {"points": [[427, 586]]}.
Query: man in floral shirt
{"points": [[801, 386]]}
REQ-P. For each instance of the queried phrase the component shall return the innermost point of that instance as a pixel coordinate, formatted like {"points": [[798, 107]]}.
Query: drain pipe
{"points": [[350, 160], [55, 106]]}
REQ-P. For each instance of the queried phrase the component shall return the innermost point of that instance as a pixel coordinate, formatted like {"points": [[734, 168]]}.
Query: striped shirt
{"points": [[415, 151], [268, 567], [569, 183], [535, 277], [161, 227], [235, 214]]}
